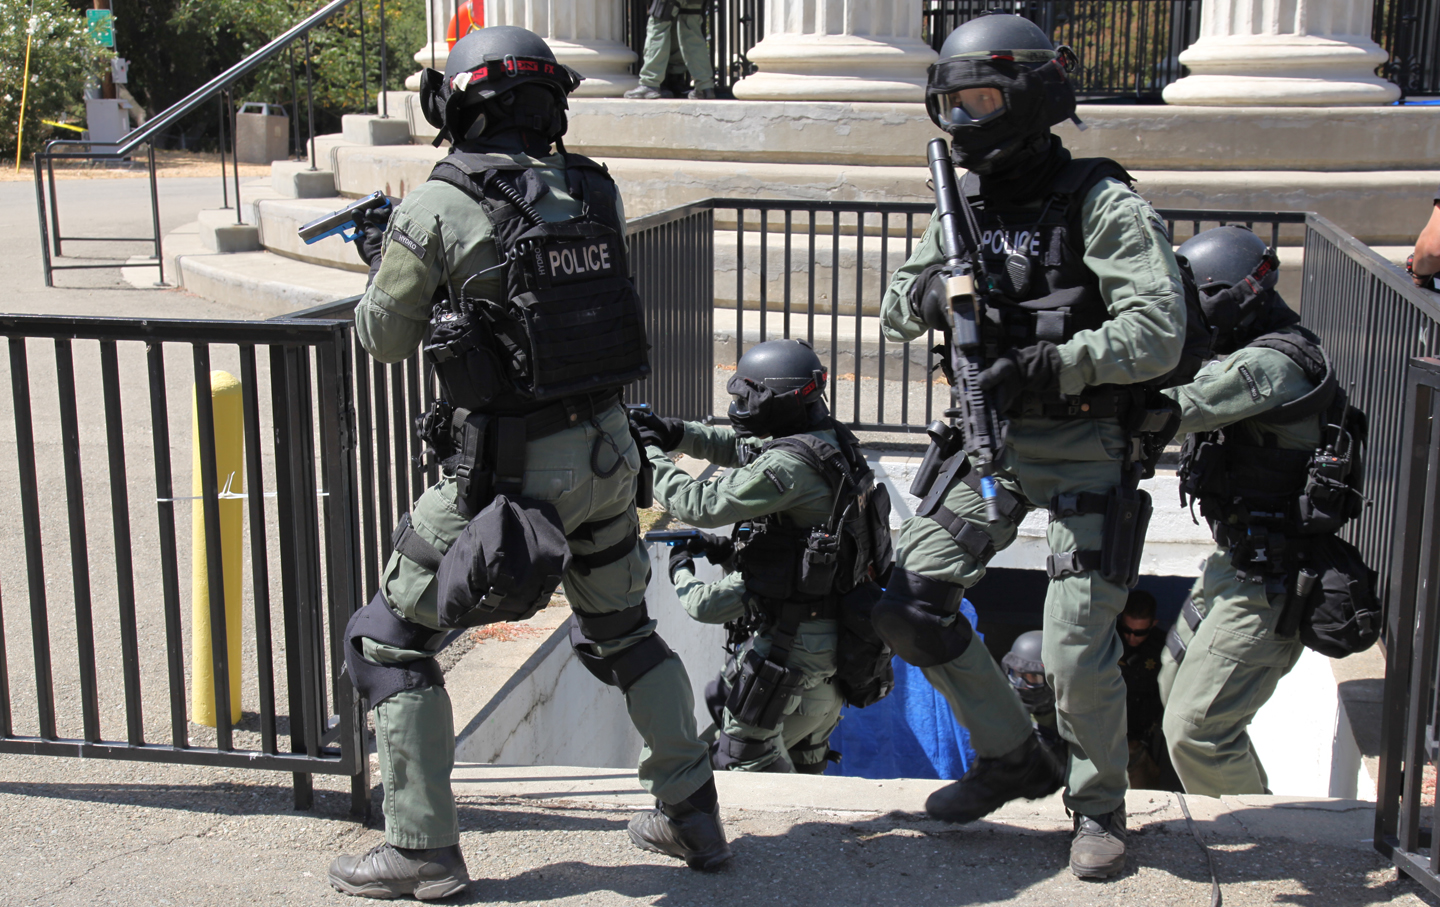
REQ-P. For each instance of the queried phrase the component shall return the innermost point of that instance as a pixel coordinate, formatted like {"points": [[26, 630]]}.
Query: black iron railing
{"points": [[1127, 48], [110, 642], [1409, 30], [1410, 716]]}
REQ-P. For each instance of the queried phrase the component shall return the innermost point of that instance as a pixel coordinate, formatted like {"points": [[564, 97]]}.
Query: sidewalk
{"points": [[85, 833]]}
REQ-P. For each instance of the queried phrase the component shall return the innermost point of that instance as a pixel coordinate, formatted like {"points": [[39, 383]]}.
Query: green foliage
{"points": [[62, 59], [175, 46]]}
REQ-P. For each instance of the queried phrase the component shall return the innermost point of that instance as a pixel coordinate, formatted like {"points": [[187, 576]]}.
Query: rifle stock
{"points": [[966, 285]]}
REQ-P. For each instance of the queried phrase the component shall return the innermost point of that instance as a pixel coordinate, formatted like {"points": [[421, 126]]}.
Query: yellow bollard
{"points": [[226, 400]]}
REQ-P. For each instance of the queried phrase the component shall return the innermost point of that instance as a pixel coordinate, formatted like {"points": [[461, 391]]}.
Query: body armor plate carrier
{"points": [[827, 572], [570, 322]]}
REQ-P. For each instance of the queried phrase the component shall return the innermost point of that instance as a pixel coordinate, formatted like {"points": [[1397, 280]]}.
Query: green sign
{"points": [[98, 22]]}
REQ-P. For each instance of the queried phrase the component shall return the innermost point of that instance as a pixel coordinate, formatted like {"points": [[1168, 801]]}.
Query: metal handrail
{"points": [[182, 108]]}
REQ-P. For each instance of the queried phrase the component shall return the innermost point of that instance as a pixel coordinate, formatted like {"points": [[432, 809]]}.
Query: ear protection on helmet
{"points": [[758, 411]]}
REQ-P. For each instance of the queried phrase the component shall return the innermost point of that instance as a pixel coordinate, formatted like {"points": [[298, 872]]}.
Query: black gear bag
{"points": [[1332, 600], [504, 566]]}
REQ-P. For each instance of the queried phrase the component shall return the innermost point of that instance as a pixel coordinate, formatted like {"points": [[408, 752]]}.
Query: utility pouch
{"points": [[435, 428], [1198, 460], [1328, 500], [769, 566], [645, 480], [762, 691], [474, 481], [466, 366], [818, 562], [1152, 426], [504, 566], [1127, 516]]}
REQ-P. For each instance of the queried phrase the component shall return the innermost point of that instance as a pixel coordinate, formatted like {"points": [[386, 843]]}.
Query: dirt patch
{"points": [[167, 163]]}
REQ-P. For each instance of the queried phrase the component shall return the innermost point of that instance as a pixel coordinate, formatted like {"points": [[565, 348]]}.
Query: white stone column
{"points": [[839, 50], [584, 34], [435, 53], [1283, 53]]}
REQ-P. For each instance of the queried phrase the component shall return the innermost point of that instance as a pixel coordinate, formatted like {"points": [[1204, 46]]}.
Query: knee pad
{"points": [[728, 753], [377, 682], [911, 619], [619, 669]]}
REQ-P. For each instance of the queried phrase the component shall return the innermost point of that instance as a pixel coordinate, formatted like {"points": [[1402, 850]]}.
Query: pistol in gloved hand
{"points": [[368, 245], [657, 431], [717, 549]]}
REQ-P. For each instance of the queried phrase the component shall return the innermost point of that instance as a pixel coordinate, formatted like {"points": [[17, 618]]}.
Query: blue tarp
{"points": [[909, 734]]}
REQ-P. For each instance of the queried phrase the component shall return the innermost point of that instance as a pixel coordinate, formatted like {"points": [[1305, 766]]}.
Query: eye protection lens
{"points": [[972, 106]]}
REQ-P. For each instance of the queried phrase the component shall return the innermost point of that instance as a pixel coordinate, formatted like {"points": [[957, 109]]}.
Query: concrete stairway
{"points": [[1372, 170]]}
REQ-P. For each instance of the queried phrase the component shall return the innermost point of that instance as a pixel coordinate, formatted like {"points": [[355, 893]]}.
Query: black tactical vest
{"points": [[570, 323], [783, 562], [1035, 256], [1261, 499]]}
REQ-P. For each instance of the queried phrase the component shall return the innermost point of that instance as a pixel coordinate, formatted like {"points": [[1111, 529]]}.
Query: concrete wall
{"points": [[554, 712]]}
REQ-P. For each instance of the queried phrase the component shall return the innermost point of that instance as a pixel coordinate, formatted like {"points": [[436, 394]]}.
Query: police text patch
{"points": [[1250, 383], [775, 480], [404, 240]]}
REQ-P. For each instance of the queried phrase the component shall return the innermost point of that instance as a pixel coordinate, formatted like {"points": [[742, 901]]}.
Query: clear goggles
{"points": [[971, 106]]}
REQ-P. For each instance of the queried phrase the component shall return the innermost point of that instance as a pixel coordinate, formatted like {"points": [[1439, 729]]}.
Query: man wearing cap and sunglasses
{"points": [[1085, 309]]}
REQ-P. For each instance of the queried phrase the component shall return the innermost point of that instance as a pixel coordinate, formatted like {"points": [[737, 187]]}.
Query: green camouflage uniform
{"points": [[776, 482], [450, 238], [687, 31], [1233, 660], [1125, 246]]}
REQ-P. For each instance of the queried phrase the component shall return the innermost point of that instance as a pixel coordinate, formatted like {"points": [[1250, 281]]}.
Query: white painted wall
{"points": [[554, 712]]}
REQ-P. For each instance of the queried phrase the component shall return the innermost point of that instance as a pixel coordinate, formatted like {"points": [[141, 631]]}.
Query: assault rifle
{"points": [[346, 221], [967, 285]]}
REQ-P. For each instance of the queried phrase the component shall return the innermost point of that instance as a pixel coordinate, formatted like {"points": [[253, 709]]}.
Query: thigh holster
{"points": [[619, 669], [377, 682], [732, 752], [813, 758], [1127, 516], [919, 619], [972, 538]]}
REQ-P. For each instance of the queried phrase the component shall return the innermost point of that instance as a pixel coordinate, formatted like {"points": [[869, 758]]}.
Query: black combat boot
{"points": [[1098, 848], [1027, 771], [690, 831], [386, 871]]}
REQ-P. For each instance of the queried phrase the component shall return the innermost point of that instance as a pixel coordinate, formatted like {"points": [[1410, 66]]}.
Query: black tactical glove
{"points": [[928, 301], [658, 431], [368, 244], [1033, 368], [680, 556]]}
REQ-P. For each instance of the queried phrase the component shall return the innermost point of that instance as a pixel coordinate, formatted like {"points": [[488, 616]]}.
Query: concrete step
{"points": [[262, 282]]}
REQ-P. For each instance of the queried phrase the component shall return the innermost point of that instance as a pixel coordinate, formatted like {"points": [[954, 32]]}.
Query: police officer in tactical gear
{"points": [[798, 561], [1025, 667], [506, 261], [675, 25], [1257, 417], [1087, 304]]}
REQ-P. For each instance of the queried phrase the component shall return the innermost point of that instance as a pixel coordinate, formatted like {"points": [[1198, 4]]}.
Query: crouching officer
{"points": [[507, 262], [813, 535], [1273, 459], [1025, 670], [1087, 303]]}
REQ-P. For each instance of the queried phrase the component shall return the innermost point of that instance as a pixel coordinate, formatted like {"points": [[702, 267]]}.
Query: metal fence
{"points": [[1410, 712], [108, 644], [1409, 30], [1127, 48]]}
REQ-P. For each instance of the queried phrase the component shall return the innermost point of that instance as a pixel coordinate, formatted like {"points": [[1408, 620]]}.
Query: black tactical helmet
{"points": [[497, 78], [1026, 671], [999, 85], [1235, 273], [778, 389]]}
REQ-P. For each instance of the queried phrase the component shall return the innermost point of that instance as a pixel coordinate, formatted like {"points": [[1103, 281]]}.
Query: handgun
{"points": [[345, 222], [671, 536]]}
